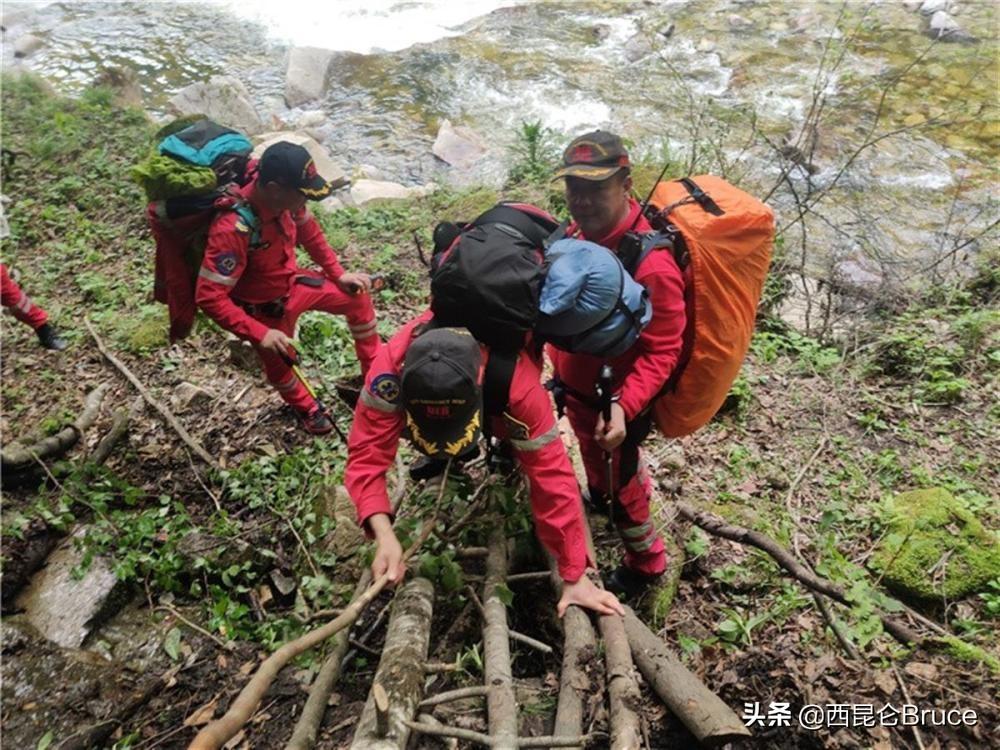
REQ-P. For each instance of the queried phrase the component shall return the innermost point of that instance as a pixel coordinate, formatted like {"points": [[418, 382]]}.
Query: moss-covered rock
{"points": [[935, 548]]}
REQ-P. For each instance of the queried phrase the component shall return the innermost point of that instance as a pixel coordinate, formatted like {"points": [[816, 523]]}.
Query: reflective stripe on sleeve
{"points": [[218, 278], [537, 443], [380, 404]]}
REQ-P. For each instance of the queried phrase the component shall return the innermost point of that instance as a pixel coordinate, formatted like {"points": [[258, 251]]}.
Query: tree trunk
{"points": [[18, 458], [701, 710], [500, 702], [400, 670]]}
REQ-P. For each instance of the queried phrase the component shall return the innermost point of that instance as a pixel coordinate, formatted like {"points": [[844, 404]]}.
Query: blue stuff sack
{"points": [[589, 303]]}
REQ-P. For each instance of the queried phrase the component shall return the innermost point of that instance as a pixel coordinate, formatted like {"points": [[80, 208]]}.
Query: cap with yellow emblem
{"points": [[291, 165], [594, 156], [440, 392]]}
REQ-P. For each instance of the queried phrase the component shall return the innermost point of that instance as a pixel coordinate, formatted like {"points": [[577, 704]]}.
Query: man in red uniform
{"points": [[251, 284], [429, 380], [598, 193], [22, 308]]}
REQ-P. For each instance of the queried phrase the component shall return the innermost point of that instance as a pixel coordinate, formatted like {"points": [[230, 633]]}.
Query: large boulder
{"points": [[125, 83], [66, 607], [935, 548], [942, 26], [457, 145], [365, 191], [222, 98], [327, 167], [305, 77], [637, 47]]}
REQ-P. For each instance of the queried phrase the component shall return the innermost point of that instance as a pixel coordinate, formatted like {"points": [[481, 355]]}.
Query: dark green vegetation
{"points": [[820, 437]]}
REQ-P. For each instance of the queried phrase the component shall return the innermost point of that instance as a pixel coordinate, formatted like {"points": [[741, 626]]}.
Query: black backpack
{"points": [[489, 278]]}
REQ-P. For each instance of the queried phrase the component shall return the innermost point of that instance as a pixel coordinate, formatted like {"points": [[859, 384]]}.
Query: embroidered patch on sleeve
{"points": [[386, 387], [226, 263], [242, 227]]}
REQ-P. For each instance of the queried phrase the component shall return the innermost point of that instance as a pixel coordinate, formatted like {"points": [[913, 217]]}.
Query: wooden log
{"points": [[16, 458], [579, 645], [450, 743], [710, 720], [119, 426], [486, 740], [501, 704], [718, 527], [623, 689], [400, 674]]}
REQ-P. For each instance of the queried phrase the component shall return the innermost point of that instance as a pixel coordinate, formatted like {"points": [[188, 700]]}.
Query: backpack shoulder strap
{"points": [[520, 221], [496, 381], [651, 241], [245, 211]]}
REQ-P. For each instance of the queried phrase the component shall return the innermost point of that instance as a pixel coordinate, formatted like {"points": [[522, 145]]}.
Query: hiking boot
{"points": [[316, 421], [595, 502], [626, 583], [50, 338]]}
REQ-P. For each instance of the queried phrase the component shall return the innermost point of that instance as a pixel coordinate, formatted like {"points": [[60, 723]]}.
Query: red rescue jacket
{"points": [[641, 372], [233, 269], [528, 425]]}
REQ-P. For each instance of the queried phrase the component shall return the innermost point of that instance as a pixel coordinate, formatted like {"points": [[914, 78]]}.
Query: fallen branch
{"points": [[16, 458], [449, 742], [476, 691], [167, 415], [488, 741], [527, 640], [710, 720], [119, 426], [220, 731], [399, 680], [501, 705], [717, 527]]}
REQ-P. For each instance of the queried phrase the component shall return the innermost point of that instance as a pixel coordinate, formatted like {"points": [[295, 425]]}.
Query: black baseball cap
{"points": [[291, 165], [594, 156], [440, 392]]}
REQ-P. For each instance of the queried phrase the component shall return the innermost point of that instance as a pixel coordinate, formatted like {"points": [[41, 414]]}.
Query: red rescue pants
{"points": [[644, 550], [327, 298], [15, 300]]}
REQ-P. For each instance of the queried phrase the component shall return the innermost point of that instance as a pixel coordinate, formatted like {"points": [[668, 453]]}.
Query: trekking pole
{"points": [[604, 396], [293, 362]]}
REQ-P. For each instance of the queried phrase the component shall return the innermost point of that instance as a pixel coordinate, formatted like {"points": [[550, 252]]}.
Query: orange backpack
{"points": [[727, 236]]}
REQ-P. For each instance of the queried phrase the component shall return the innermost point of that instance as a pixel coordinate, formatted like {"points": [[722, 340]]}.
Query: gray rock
{"points": [[941, 23], [458, 146], [305, 77], [912, 5], [188, 395], [327, 167], [705, 46], [64, 608], [930, 7], [27, 44], [942, 26], [637, 47], [365, 191], [222, 98], [667, 30], [311, 118], [125, 83]]}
